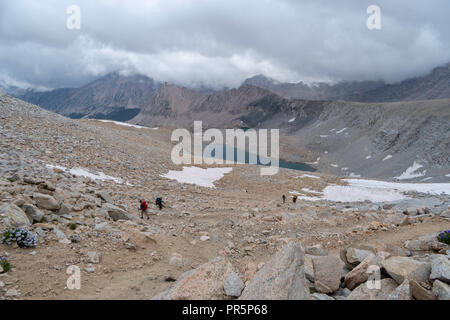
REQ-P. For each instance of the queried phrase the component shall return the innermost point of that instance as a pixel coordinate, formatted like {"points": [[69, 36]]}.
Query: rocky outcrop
{"points": [[327, 274], [374, 292], [440, 269], [14, 216], [282, 278], [401, 268], [360, 274], [204, 283], [441, 290], [403, 292]]}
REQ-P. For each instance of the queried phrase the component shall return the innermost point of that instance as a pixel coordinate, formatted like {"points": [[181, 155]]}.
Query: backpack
{"points": [[158, 200], [144, 205]]}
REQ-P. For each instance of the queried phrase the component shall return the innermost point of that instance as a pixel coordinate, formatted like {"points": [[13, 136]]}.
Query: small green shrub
{"points": [[4, 265], [75, 238], [72, 226]]}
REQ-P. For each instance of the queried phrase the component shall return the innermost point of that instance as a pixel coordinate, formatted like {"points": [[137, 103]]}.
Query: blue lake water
{"points": [[210, 152]]}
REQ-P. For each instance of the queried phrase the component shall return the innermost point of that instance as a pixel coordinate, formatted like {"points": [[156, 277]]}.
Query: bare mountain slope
{"points": [[350, 138], [112, 96], [172, 105]]}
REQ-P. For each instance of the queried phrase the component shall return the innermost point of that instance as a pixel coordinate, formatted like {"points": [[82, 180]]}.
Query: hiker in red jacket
{"points": [[143, 208]]}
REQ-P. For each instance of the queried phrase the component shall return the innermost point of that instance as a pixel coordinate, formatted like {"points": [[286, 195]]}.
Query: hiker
{"points": [[284, 198], [143, 208], [159, 202], [294, 199]]}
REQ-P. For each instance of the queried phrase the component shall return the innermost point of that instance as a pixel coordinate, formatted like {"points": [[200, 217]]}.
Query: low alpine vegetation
{"points": [[23, 237], [444, 237], [75, 238], [4, 265]]}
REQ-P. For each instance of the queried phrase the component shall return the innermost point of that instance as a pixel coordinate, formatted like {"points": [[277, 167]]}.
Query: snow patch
{"points": [[80, 172], [368, 157], [340, 131], [324, 136], [126, 124], [409, 173], [198, 176], [311, 191], [308, 176], [292, 120], [334, 165], [387, 157]]}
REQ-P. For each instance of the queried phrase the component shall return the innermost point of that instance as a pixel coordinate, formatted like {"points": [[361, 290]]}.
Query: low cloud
{"points": [[220, 43]]}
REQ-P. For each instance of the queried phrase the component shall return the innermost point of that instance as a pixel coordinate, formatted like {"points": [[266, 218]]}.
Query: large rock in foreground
{"points": [[282, 278], [401, 268], [14, 216], [441, 290], [371, 292], [327, 273], [360, 274], [427, 242], [204, 283], [440, 269]]}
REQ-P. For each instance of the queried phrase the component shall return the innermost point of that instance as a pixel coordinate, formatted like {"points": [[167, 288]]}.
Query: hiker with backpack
{"points": [[284, 198], [143, 208], [294, 199], [159, 202]]}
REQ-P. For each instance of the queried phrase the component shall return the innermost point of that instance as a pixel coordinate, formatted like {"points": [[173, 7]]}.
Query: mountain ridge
{"points": [[434, 85]]}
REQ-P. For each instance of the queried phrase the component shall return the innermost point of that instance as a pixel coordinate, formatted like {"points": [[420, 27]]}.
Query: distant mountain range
{"points": [[113, 96], [118, 97], [435, 85]]}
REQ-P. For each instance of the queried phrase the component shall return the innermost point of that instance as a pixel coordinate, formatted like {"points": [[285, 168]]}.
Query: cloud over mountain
{"points": [[220, 43]]}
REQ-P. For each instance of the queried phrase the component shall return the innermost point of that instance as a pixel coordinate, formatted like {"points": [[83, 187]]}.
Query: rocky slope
{"points": [[75, 184], [435, 85], [178, 106], [112, 97]]}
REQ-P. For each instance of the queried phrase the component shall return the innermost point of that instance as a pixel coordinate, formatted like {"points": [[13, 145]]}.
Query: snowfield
{"points": [[198, 176], [409, 173], [359, 190]]}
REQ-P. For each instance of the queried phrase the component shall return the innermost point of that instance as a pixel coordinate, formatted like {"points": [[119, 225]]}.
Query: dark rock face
{"points": [[113, 97]]}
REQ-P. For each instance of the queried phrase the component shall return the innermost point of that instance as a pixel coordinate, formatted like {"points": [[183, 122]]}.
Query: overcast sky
{"points": [[220, 42]]}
